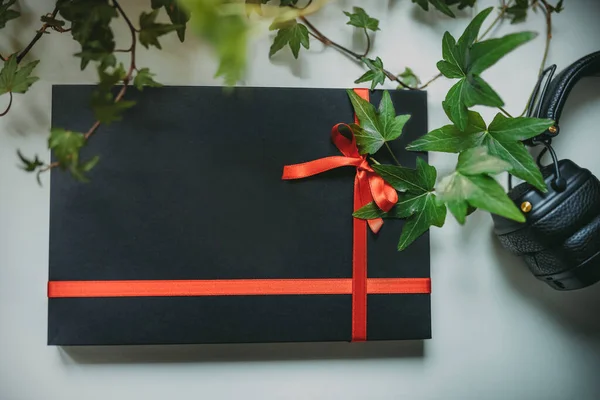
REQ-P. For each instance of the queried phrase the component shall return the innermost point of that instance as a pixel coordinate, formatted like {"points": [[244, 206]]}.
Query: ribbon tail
{"points": [[365, 198], [384, 195]]}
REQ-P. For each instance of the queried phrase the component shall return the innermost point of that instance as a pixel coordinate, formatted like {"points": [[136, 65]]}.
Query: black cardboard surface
{"points": [[189, 187]]}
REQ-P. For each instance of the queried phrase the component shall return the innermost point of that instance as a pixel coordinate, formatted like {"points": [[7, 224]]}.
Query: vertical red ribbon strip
{"points": [[368, 186]]}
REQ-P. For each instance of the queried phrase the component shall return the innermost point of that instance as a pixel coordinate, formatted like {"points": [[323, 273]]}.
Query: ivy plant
{"points": [[484, 149]]}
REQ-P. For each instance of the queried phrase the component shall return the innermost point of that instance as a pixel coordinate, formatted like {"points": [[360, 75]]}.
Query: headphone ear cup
{"points": [[560, 240]]}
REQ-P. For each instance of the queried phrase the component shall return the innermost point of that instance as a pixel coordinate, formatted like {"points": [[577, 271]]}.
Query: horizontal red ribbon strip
{"points": [[232, 287]]}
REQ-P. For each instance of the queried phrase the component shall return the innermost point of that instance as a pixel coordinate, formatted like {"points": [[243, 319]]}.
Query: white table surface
{"points": [[498, 333]]}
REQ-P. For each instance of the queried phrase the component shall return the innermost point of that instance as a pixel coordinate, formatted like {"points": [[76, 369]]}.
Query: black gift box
{"points": [[189, 188]]}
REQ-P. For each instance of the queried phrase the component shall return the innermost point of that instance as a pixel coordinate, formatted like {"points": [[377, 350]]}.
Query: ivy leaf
{"points": [[409, 78], [177, 14], [14, 79], [290, 33], [391, 124], [375, 128], [450, 139], [29, 165], [225, 30], [466, 60], [150, 31], [502, 139], [6, 14], [471, 185], [487, 53], [427, 213], [418, 204], [90, 26], [443, 7], [66, 146], [145, 78], [105, 109], [401, 178], [518, 11], [360, 19], [376, 74]]}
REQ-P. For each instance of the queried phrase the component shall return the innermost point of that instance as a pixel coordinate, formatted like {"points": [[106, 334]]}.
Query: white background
{"points": [[497, 332]]}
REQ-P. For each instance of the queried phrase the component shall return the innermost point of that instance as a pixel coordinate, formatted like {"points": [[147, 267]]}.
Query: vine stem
{"points": [[368, 43], [392, 153], [328, 42], [505, 112], [3, 113], [37, 37], [2, 57], [496, 20], [132, 66], [548, 14]]}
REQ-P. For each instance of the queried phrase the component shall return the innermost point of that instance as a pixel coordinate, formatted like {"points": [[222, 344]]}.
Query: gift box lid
{"points": [[188, 192]]}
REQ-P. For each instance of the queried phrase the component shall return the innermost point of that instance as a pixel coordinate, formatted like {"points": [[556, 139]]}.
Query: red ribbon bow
{"points": [[367, 184]]}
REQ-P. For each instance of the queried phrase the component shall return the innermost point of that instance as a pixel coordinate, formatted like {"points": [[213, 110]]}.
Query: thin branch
{"points": [[2, 57], [37, 37], [132, 67], [368, 43], [548, 15], [505, 112], [48, 167], [392, 153], [2, 114], [495, 21], [328, 42], [430, 81]]}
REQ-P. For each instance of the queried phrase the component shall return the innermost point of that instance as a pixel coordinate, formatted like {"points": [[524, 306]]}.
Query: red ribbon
{"points": [[368, 186]]}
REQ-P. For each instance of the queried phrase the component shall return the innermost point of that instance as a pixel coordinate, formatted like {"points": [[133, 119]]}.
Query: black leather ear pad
{"points": [[562, 229]]}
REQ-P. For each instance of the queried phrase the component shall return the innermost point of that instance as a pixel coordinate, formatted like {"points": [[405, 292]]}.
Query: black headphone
{"points": [[560, 239]]}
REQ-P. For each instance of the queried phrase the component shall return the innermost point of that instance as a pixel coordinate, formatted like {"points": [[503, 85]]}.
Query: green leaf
{"points": [[29, 165], [449, 70], [422, 3], [487, 53], [450, 139], [145, 78], [391, 125], [106, 110], [218, 23], [426, 174], [360, 19], [455, 104], [376, 73], [6, 14], [292, 34], [368, 142], [470, 34], [520, 128], [518, 11], [450, 52], [476, 161], [440, 5], [65, 145], [462, 189], [90, 26], [369, 121], [401, 178], [427, 213], [150, 30], [14, 79], [477, 91], [177, 14], [409, 78]]}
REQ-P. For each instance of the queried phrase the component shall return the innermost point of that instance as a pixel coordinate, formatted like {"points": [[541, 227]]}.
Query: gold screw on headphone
{"points": [[552, 129], [526, 206]]}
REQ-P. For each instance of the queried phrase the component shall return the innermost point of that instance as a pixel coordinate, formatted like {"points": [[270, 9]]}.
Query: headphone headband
{"points": [[558, 91]]}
